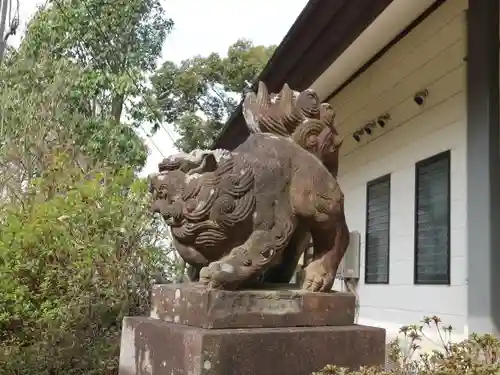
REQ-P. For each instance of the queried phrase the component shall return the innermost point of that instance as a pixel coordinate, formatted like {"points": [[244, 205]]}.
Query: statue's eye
{"points": [[247, 263], [267, 253]]}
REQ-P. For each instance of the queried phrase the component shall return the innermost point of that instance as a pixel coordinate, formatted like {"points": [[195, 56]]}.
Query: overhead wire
{"points": [[103, 34]]}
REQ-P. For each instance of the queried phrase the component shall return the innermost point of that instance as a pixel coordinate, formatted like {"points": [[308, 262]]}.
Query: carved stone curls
{"points": [[244, 217]]}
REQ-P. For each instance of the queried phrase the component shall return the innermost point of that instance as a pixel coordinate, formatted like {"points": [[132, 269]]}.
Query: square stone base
{"points": [[271, 307], [155, 347]]}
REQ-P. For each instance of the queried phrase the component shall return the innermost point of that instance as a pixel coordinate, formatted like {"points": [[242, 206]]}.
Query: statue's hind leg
{"points": [[283, 272], [330, 240]]}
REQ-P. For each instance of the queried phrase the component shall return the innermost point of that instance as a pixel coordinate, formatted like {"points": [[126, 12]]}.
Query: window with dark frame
{"points": [[432, 220], [377, 243]]}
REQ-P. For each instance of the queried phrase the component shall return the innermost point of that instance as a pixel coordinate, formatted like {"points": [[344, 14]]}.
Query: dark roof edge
{"points": [[431, 9], [319, 35]]}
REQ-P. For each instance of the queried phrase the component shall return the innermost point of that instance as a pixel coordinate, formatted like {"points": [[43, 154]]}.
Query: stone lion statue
{"points": [[245, 217]]}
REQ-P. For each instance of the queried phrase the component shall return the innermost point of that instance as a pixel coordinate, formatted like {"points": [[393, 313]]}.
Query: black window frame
{"points": [[446, 155], [383, 179]]}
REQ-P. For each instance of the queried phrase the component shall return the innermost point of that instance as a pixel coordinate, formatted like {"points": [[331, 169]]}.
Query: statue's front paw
{"points": [[206, 277], [317, 279], [217, 275]]}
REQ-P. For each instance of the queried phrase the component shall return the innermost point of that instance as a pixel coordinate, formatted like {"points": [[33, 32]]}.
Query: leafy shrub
{"points": [[78, 252], [478, 355]]}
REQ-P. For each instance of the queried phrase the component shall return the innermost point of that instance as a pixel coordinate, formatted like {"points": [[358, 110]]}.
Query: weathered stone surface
{"points": [[194, 305], [245, 217], [154, 347]]}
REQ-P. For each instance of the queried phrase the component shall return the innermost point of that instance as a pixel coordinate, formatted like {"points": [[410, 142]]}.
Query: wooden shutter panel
{"points": [[432, 220], [377, 231]]}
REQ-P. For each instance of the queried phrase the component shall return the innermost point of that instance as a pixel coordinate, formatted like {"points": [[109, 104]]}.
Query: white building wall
{"points": [[430, 57]]}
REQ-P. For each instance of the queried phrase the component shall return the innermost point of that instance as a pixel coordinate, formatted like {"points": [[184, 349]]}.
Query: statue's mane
{"points": [[289, 113]]}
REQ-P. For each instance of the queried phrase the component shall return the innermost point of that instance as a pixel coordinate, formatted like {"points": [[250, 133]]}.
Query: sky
{"points": [[202, 27]]}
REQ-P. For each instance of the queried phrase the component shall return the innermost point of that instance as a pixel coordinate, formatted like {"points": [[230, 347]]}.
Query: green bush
{"points": [[78, 252], [478, 355]]}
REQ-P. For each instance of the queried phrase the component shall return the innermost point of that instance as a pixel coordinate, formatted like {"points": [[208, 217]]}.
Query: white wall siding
{"points": [[430, 57]]}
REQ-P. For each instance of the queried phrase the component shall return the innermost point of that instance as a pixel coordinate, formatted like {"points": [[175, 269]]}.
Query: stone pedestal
{"points": [[194, 331]]}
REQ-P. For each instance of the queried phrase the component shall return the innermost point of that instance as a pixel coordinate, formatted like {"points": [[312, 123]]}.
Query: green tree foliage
{"points": [[114, 46], [78, 255], [79, 248], [29, 87], [199, 94]]}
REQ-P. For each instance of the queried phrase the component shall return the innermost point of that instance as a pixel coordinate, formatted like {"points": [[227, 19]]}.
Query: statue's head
{"points": [[298, 115], [166, 188], [179, 179]]}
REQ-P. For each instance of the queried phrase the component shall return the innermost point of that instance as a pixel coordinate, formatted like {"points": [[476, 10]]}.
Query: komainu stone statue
{"points": [[245, 217]]}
